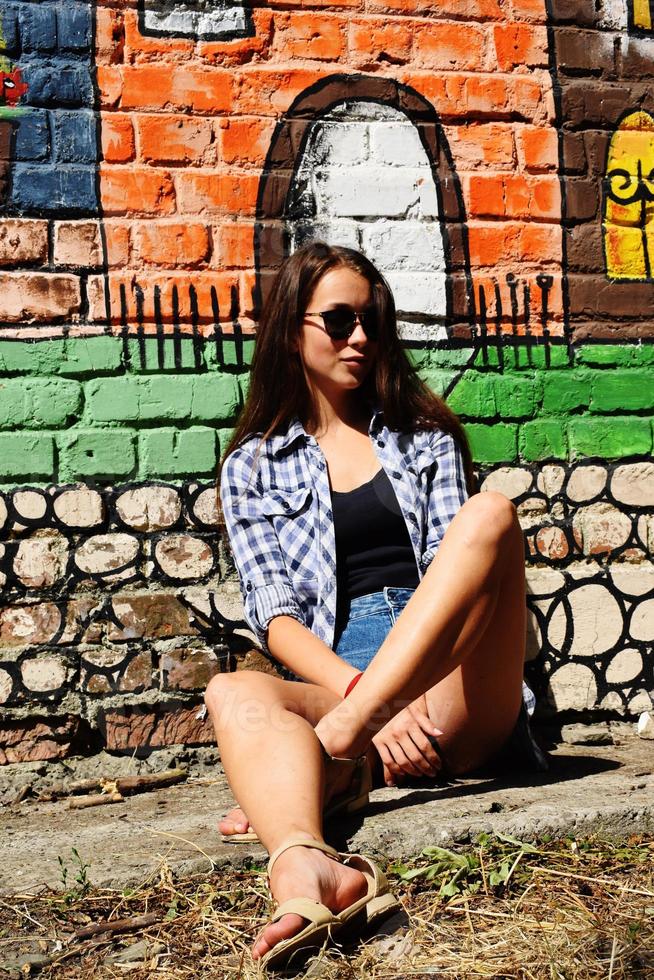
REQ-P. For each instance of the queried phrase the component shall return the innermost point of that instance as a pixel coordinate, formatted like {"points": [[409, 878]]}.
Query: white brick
{"points": [[404, 245]]}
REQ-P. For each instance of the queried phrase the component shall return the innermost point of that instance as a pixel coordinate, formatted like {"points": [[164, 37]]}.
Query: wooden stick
{"points": [[82, 802], [132, 784], [117, 925]]}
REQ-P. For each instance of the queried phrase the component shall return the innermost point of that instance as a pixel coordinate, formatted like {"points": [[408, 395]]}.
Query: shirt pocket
{"points": [[279, 502]]}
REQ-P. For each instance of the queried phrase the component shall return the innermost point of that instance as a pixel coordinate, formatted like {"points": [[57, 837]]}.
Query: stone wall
{"points": [[158, 160]]}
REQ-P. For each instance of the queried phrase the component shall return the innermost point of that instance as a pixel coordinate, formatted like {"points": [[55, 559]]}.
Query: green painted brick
{"points": [[14, 404], [419, 356], [563, 391], [218, 357], [622, 390], [165, 397], [216, 398], [224, 436], [91, 355], [543, 439], [54, 402], [26, 454], [112, 400], [493, 443], [537, 357], [437, 379], [616, 355], [31, 356], [473, 396], [147, 356], [456, 357], [609, 438], [177, 452], [100, 453], [516, 396]]}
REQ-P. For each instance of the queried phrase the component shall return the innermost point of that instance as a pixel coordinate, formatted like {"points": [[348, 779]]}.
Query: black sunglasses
{"points": [[340, 324]]}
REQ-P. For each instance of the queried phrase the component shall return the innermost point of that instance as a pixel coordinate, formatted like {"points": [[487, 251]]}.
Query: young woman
{"points": [[369, 568]]}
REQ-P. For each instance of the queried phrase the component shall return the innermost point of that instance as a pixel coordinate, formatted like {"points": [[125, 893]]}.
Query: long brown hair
{"points": [[278, 390]]}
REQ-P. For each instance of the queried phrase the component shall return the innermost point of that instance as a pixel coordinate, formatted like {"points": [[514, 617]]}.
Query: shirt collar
{"points": [[282, 441]]}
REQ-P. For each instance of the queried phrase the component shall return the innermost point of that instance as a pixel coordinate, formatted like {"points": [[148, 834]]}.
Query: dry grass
{"points": [[566, 909]]}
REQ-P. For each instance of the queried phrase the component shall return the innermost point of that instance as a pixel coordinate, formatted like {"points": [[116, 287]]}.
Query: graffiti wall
{"points": [[158, 160]]}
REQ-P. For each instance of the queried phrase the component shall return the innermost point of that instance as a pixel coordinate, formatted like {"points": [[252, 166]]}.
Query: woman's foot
{"points": [[236, 820], [307, 873]]}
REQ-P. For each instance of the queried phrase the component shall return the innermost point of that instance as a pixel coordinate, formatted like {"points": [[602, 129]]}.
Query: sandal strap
{"points": [[315, 912], [300, 842]]}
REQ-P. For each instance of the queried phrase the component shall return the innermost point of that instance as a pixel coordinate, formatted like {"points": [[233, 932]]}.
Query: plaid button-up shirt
{"points": [[277, 505]]}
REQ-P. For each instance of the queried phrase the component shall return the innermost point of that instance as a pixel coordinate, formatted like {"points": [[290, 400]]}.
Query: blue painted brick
{"points": [[58, 84], [49, 190], [38, 26], [74, 136], [32, 135], [74, 27], [9, 28]]}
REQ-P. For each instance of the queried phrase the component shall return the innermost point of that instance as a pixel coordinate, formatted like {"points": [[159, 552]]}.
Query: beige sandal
{"points": [[323, 925], [354, 798], [318, 929]]}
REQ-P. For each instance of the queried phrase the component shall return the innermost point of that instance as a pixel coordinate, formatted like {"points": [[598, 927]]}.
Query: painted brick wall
{"points": [[157, 163]]}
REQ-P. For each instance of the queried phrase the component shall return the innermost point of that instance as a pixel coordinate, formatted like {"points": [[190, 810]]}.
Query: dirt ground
{"points": [[590, 789]]}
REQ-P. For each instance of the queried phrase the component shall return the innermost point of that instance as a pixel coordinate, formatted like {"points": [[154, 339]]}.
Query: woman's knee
{"points": [[489, 516], [227, 688]]}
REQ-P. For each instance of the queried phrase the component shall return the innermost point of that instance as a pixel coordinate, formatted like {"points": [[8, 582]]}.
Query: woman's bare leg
{"points": [[460, 638], [274, 764]]}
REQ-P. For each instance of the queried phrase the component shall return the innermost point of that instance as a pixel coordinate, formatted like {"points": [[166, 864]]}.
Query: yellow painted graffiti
{"points": [[629, 199], [642, 15]]}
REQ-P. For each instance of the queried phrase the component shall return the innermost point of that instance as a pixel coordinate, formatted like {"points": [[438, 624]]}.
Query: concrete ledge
{"points": [[608, 790]]}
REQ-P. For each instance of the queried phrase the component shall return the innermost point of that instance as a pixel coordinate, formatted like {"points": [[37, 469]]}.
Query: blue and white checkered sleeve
{"points": [[447, 490], [265, 585]]}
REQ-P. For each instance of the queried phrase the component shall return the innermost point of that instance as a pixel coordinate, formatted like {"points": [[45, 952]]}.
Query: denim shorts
{"points": [[362, 628]]}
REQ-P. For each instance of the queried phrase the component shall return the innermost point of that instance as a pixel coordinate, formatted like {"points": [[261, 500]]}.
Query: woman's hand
{"points": [[404, 746]]}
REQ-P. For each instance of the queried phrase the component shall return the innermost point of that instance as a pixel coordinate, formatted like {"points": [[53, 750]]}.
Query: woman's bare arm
{"points": [[295, 646]]}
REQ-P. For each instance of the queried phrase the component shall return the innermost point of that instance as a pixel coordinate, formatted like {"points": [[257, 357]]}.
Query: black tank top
{"points": [[373, 547]]}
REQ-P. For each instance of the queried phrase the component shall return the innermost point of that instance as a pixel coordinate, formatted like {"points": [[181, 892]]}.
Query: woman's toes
{"points": [[234, 822], [289, 925]]}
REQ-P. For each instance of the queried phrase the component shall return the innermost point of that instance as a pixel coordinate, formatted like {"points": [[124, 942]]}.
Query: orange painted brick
{"points": [[270, 91], [140, 47], [314, 36], [245, 142], [493, 243], [136, 190], [176, 139], [376, 41], [518, 193], [446, 91], [486, 95], [110, 85], [29, 297], [520, 44], [540, 242], [175, 291], [440, 45], [202, 89], [537, 148], [546, 197], [485, 196], [482, 144], [117, 137], [117, 243], [23, 242], [78, 243], [468, 9], [172, 245], [147, 86], [533, 99], [201, 193], [534, 11], [236, 244], [109, 36], [241, 50]]}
